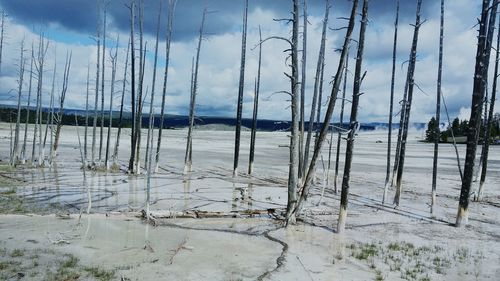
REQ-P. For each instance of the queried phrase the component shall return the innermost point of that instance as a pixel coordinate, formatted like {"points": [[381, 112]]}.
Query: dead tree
{"points": [[437, 132], [113, 58], [150, 131], [2, 30], [240, 92], [102, 85], [120, 117], [294, 150], [50, 114], [11, 141], [402, 113], [62, 97], [171, 9], [354, 125], [320, 100], [98, 38], [188, 160], [132, 91], [138, 120], [391, 105], [84, 163], [43, 46], [302, 163], [480, 73], [317, 86], [251, 156], [15, 151], [51, 124], [489, 122], [489, 43], [329, 112], [28, 109], [407, 105], [151, 114], [140, 106], [341, 126]]}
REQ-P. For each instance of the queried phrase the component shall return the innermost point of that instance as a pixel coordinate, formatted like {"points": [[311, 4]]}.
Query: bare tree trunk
{"points": [[96, 86], [341, 126], [149, 171], [327, 173], [316, 91], [294, 79], [438, 111], [489, 122], [62, 97], [2, 30], [120, 118], [251, 156], [140, 107], [138, 124], [480, 74], [28, 109], [407, 105], [240, 92], [329, 112], [194, 86], [354, 125], [103, 63], [132, 91], [188, 161], [39, 63], [113, 58], [391, 105], [22, 63], [171, 9], [50, 114], [85, 144], [320, 100], [302, 163], [51, 124], [400, 133], [151, 108], [489, 43], [315, 103], [189, 147], [294, 150], [11, 141]]}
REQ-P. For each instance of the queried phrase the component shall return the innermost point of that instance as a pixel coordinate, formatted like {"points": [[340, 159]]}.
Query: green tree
{"points": [[432, 128]]}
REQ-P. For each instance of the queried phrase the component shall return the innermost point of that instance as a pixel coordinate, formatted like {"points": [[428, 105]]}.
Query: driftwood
{"points": [[197, 214]]}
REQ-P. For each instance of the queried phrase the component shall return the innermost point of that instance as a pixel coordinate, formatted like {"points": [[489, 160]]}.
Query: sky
{"points": [[70, 26]]}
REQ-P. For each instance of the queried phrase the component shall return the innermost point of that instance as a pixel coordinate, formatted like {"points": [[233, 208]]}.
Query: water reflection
{"points": [[187, 190], [248, 196], [68, 189], [234, 201]]}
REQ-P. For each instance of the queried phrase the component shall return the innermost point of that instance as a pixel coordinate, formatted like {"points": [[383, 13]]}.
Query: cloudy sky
{"points": [[71, 26]]}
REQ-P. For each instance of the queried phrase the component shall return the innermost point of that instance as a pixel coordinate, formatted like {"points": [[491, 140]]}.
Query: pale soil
{"points": [[381, 243]]}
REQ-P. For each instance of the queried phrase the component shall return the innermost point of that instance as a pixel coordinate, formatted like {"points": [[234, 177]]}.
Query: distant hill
{"points": [[180, 121]]}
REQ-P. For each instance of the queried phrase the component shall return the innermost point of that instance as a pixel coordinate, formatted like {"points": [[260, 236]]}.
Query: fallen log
{"points": [[197, 214]]}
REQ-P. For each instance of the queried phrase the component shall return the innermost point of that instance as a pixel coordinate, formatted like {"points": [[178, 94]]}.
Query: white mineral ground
{"points": [[380, 243]]}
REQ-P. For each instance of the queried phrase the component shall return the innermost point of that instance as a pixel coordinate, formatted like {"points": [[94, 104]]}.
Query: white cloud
{"points": [[220, 62]]}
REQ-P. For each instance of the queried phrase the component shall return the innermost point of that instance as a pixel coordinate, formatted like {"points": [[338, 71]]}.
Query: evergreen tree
{"points": [[432, 127]]}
